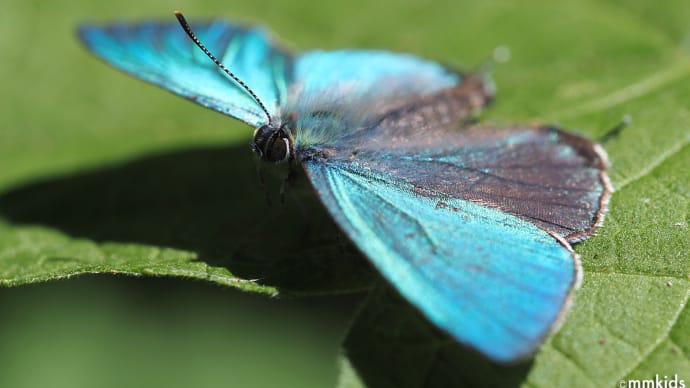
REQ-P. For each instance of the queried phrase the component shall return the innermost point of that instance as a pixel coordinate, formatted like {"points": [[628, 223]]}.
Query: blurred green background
{"points": [[122, 332], [64, 115]]}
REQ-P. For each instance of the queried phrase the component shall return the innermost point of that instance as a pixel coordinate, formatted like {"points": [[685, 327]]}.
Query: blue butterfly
{"points": [[472, 224]]}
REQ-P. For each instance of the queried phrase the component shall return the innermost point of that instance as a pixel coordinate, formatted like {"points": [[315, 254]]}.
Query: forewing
{"points": [[493, 281], [163, 54], [325, 72], [336, 94]]}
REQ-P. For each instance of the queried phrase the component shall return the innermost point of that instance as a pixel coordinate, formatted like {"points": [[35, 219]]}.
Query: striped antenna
{"points": [[188, 30]]}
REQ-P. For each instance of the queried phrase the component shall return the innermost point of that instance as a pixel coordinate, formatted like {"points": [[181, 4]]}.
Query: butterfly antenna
{"points": [[616, 130], [188, 30]]}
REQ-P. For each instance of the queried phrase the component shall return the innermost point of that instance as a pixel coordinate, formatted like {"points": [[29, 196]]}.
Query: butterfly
{"points": [[471, 223]]}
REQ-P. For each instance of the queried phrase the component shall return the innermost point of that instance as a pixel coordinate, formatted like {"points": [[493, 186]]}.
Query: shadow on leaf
{"points": [[205, 200], [391, 344]]}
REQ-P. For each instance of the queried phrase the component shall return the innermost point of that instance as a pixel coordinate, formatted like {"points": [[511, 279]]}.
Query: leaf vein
{"points": [[659, 341], [637, 89], [572, 361], [677, 148]]}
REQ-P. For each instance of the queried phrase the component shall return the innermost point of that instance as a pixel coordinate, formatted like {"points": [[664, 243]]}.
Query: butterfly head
{"points": [[273, 144]]}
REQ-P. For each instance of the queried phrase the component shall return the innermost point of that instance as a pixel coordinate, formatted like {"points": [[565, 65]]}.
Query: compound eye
{"points": [[279, 150], [271, 143], [261, 136]]}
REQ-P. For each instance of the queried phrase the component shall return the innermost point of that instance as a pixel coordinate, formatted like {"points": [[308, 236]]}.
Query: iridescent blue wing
{"points": [[468, 223], [338, 93], [548, 177], [163, 54], [490, 279], [364, 71]]}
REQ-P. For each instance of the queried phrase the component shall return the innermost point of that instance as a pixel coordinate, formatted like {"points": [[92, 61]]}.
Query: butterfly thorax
{"points": [[273, 143]]}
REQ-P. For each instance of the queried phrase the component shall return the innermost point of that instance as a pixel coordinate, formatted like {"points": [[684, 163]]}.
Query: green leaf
{"points": [[103, 174], [179, 213]]}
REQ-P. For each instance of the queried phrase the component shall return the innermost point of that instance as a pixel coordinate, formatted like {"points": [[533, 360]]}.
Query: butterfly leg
{"points": [[289, 180], [289, 187], [262, 182]]}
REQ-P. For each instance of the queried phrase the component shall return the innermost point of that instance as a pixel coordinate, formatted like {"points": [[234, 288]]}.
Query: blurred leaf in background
{"points": [[100, 173]]}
